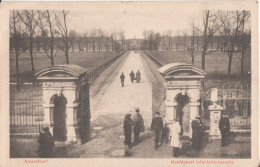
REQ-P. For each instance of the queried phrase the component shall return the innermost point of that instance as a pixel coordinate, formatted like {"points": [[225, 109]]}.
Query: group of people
{"points": [[136, 125], [161, 133], [133, 77]]}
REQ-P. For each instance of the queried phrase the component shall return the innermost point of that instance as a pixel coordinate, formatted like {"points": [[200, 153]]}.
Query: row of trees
{"points": [[228, 31], [49, 32]]}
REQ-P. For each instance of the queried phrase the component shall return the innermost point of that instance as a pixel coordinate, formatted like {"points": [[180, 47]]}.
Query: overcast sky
{"points": [[133, 19]]}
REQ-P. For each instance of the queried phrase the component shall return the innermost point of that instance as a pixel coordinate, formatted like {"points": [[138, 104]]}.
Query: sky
{"points": [[133, 19]]}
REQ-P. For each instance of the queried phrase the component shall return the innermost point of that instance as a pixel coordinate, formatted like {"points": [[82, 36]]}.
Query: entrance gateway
{"points": [[66, 102], [182, 83]]}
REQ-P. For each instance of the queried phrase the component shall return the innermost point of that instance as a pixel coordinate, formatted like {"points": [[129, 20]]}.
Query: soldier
{"points": [[122, 77], [224, 127], [46, 144], [138, 76], [175, 137], [138, 125], [132, 76], [196, 133], [156, 126], [128, 123]]}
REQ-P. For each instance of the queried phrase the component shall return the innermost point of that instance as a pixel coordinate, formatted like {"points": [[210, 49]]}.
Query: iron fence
{"points": [[26, 109], [96, 71]]}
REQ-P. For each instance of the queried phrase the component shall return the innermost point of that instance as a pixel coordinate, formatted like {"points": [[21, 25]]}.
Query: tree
{"points": [[122, 38], [28, 17], [193, 48], [231, 23], [210, 28], [93, 35], [244, 38], [46, 24], [67, 38], [17, 40]]}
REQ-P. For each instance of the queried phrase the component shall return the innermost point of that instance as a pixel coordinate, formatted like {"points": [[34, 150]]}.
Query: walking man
{"points": [[132, 76], [175, 137], [122, 77], [196, 133], [224, 127], [138, 76], [156, 126], [128, 123], [138, 125]]}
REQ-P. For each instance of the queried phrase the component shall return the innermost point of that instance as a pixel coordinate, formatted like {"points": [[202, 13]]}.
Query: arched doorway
{"points": [[183, 112], [59, 118]]}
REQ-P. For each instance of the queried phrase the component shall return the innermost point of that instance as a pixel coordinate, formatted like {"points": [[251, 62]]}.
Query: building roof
{"points": [[70, 69], [178, 67]]}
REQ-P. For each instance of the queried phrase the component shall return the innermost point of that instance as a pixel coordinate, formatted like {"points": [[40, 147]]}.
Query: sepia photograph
{"points": [[135, 81]]}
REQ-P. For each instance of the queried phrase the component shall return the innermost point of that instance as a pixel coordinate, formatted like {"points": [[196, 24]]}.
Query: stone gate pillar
{"points": [[69, 83], [182, 81]]}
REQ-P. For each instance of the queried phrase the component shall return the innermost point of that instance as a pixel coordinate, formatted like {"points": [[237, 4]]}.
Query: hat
{"points": [[45, 128], [137, 110]]}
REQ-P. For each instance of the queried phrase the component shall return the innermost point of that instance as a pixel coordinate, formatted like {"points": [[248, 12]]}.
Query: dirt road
{"points": [[110, 102]]}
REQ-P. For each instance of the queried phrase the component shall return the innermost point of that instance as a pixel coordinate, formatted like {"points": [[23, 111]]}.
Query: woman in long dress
{"points": [[175, 137]]}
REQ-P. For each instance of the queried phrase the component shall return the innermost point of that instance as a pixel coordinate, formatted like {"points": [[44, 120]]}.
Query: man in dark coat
{"points": [[132, 76], [122, 77], [196, 134], [138, 76], [138, 125], [156, 126], [46, 144], [224, 127], [128, 123]]}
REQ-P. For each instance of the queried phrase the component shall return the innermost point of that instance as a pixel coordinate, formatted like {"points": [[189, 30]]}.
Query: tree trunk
{"points": [[192, 60], [67, 55], [31, 54], [17, 71], [52, 45], [242, 67], [229, 64], [205, 40]]}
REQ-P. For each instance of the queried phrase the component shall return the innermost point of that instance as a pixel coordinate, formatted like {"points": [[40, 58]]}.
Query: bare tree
{"points": [[46, 24], [122, 38], [210, 28], [244, 38], [168, 34], [93, 35], [231, 23], [16, 39], [61, 28], [193, 46], [28, 17]]}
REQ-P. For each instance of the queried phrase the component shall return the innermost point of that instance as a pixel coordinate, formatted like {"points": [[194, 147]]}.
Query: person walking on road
{"points": [[132, 76], [156, 126], [138, 76], [196, 134], [138, 125], [175, 137], [224, 127], [122, 77], [128, 123]]}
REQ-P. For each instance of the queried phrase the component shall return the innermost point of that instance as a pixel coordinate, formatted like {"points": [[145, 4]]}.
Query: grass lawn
{"points": [[88, 60], [216, 62]]}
